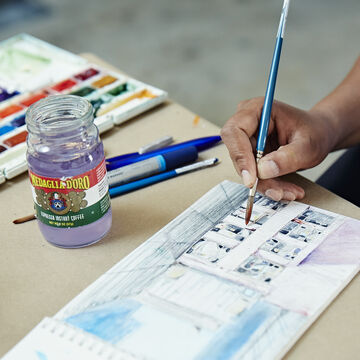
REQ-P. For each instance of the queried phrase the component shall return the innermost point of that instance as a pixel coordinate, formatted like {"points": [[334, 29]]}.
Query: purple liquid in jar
{"points": [[65, 153]]}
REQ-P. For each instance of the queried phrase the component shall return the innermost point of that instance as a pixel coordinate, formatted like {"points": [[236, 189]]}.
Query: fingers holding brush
{"points": [[278, 189], [238, 135], [298, 140], [242, 156]]}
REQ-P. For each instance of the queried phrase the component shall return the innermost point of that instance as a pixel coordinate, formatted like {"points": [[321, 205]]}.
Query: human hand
{"points": [[297, 139]]}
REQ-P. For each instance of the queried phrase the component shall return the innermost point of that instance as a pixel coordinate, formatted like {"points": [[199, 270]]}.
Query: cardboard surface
{"points": [[37, 279]]}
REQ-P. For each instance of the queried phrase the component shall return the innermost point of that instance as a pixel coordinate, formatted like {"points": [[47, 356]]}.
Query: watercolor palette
{"points": [[31, 69]]}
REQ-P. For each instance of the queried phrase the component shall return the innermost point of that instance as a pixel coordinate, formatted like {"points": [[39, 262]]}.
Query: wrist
{"points": [[332, 133]]}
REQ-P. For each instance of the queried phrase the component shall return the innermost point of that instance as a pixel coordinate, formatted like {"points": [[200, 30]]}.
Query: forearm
{"points": [[342, 110]]}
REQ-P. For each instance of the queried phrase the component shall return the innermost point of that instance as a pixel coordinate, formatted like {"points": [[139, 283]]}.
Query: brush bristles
{"points": [[249, 208], [25, 219]]}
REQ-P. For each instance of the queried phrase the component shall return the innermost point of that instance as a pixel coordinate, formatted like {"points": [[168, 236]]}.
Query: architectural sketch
{"points": [[208, 287]]}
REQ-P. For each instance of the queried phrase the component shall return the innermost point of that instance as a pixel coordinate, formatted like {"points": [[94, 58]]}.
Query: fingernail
{"points": [[268, 169], [274, 194], [301, 195], [246, 177], [288, 195]]}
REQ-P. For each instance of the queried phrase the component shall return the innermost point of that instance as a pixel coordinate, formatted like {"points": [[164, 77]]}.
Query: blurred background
{"points": [[208, 54]]}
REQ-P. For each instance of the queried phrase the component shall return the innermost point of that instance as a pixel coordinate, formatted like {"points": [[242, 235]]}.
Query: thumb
{"points": [[285, 160]]}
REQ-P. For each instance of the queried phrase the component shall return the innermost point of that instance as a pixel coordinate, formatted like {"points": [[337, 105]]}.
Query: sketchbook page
{"points": [[137, 270], [208, 287], [55, 340], [216, 289]]}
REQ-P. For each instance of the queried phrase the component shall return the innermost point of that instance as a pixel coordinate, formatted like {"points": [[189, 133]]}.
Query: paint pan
{"points": [[5, 95], [33, 99], [87, 74], [64, 85], [106, 80], [18, 121], [16, 139], [11, 109], [118, 103], [85, 91], [5, 129]]}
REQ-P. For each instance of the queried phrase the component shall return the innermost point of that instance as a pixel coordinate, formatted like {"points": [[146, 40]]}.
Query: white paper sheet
{"points": [[208, 287]]}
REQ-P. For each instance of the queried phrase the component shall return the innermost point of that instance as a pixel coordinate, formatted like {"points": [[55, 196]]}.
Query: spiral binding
{"points": [[82, 339]]}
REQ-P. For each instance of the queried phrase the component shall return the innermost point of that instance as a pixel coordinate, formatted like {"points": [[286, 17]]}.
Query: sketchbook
{"points": [[208, 287]]}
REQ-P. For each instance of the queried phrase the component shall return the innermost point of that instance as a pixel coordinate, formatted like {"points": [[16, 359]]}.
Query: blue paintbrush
{"points": [[269, 97]]}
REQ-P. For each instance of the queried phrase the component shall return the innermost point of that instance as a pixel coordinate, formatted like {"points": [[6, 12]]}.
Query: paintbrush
{"points": [[268, 101], [25, 219]]}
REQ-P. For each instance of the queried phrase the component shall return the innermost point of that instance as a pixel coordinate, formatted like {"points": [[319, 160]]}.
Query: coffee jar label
{"points": [[71, 201]]}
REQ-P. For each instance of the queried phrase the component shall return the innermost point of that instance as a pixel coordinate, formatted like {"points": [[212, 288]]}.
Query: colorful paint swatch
{"points": [[16, 139], [18, 121], [96, 105], [83, 91], [33, 99], [105, 80], [98, 102], [118, 90], [12, 109], [2, 148], [5, 129], [196, 120], [4, 95], [64, 85], [141, 95], [87, 74]]}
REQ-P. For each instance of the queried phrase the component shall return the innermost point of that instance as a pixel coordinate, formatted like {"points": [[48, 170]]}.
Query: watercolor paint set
{"points": [[31, 69]]}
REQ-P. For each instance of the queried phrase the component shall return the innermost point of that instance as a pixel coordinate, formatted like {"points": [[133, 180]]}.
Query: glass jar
{"points": [[67, 171]]}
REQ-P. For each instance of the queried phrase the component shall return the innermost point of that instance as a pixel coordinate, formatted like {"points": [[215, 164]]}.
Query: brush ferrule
{"points": [[259, 155], [253, 189]]}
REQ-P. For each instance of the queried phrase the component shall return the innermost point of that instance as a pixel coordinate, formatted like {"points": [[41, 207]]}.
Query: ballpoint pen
{"points": [[154, 165], [200, 144], [268, 101]]}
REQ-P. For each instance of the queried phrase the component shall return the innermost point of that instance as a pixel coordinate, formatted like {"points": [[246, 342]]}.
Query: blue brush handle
{"points": [[269, 96], [270, 89], [122, 189]]}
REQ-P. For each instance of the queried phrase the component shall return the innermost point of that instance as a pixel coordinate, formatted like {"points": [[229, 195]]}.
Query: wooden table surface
{"points": [[37, 279]]}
